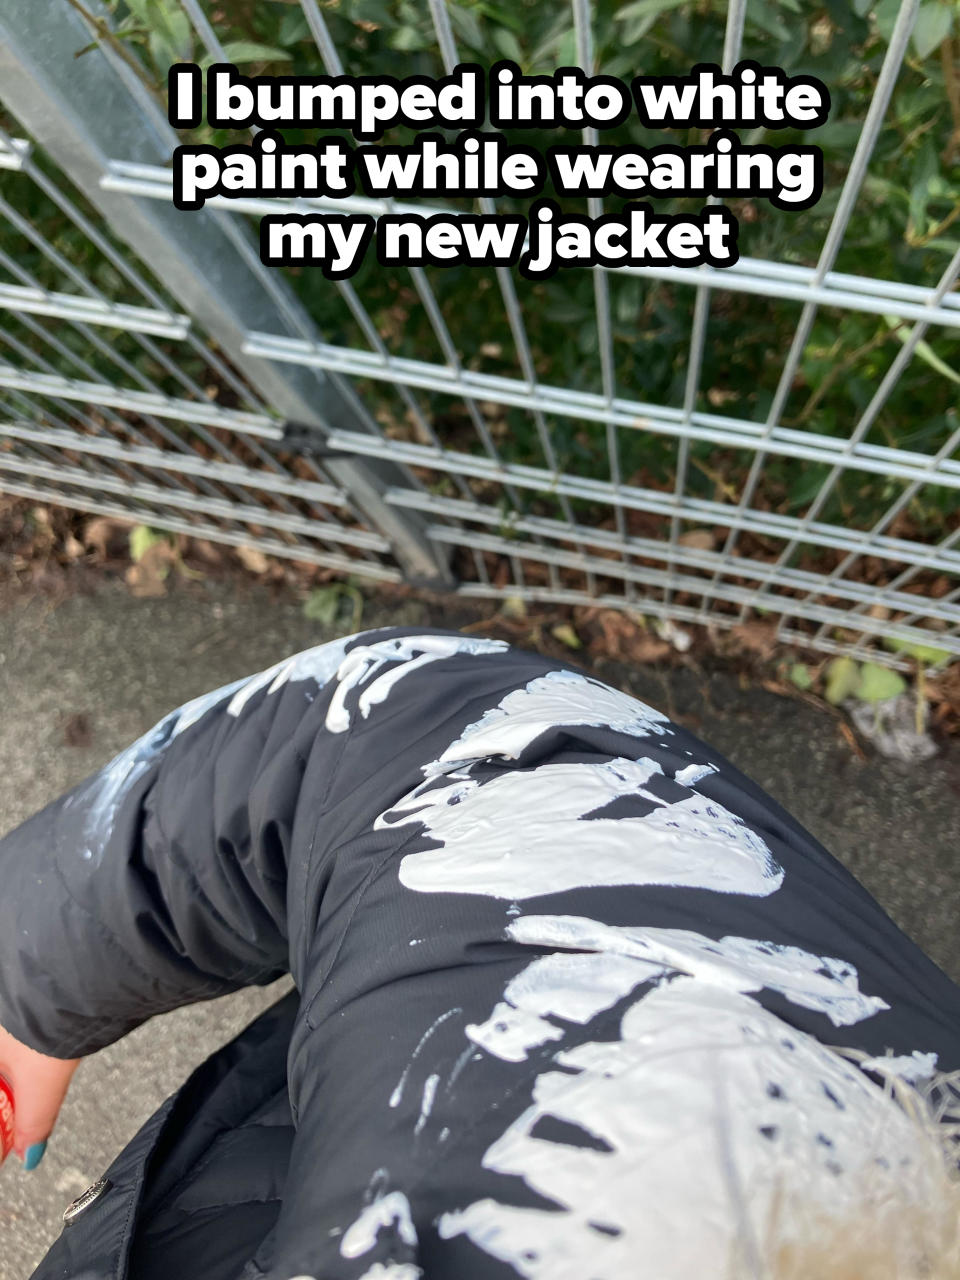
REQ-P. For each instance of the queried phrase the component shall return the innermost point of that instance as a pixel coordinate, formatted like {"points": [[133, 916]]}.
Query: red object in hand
{"points": [[6, 1119]]}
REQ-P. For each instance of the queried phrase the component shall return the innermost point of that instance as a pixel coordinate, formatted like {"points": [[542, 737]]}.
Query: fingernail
{"points": [[33, 1156]]}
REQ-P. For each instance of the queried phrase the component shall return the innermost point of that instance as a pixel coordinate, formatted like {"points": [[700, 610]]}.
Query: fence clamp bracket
{"points": [[304, 438]]}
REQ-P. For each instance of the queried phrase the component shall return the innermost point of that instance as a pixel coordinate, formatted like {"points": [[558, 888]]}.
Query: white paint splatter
{"points": [[357, 667], [601, 964], [112, 783], [904, 1066], [574, 987], [692, 773], [703, 1081], [824, 984], [426, 1105], [410, 653], [319, 663], [459, 1066], [551, 700], [392, 1271], [510, 1033], [100, 799], [389, 1211], [520, 835], [401, 1083]]}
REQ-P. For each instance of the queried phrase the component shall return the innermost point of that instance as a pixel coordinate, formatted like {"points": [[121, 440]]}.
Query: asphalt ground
{"points": [[80, 680]]}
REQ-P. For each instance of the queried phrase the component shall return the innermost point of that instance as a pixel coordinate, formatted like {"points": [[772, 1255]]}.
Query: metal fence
{"points": [[163, 374]]}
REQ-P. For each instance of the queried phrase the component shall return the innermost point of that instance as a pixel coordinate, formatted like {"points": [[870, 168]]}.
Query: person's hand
{"points": [[39, 1085]]}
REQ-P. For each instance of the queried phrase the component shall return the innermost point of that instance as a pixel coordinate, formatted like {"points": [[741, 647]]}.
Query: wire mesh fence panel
{"points": [[775, 441]]}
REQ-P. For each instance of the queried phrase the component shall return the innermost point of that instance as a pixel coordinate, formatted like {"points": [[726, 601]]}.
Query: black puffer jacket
{"points": [[496, 883]]}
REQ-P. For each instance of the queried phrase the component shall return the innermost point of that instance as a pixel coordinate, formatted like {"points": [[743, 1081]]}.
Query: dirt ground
{"points": [[80, 680]]}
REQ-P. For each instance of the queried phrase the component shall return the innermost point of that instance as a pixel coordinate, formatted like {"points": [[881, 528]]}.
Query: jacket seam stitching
{"points": [[361, 893]]}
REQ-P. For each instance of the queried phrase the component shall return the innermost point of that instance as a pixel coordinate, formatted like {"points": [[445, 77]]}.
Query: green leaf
{"points": [[408, 40], [924, 351], [293, 27], [885, 15], [548, 48], [769, 21], [141, 9], [465, 26], [326, 604], [142, 538], [932, 27], [504, 14], [508, 44], [566, 635], [647, 8], [878, 683], [843, 677], [179, 34], [926, 170], [925, 653], [322, 605], [240, 51], [842, 134], [800, 675]]}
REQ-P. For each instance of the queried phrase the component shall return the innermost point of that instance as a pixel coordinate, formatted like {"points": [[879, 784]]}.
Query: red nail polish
{"points": [[6, 1119]]}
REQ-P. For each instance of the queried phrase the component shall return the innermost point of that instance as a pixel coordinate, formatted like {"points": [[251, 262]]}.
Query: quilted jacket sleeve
{"points": [[160, 880]]}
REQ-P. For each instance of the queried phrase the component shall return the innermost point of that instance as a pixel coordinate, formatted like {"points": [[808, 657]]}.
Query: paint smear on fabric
{"points": [[319, 664], [547, 702], [426, 1104], [113, 782], [521, 835], [904, 1066], [100, 798], [571, 987], [363, 665], [401, 1083], [824, 984], [755, 1096], [392, 1271], [392, 1212], [599, 965]]}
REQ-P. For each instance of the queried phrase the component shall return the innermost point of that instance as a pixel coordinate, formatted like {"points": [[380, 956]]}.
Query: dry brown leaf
{"points": [[646, 647], [756, 637], [614, 630], [701, 539], [147, 578], [142, 583], [103, 534], [501, 576], [253, 559], [207, 551], [945, 688], [624, 639], [851, 740]]}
